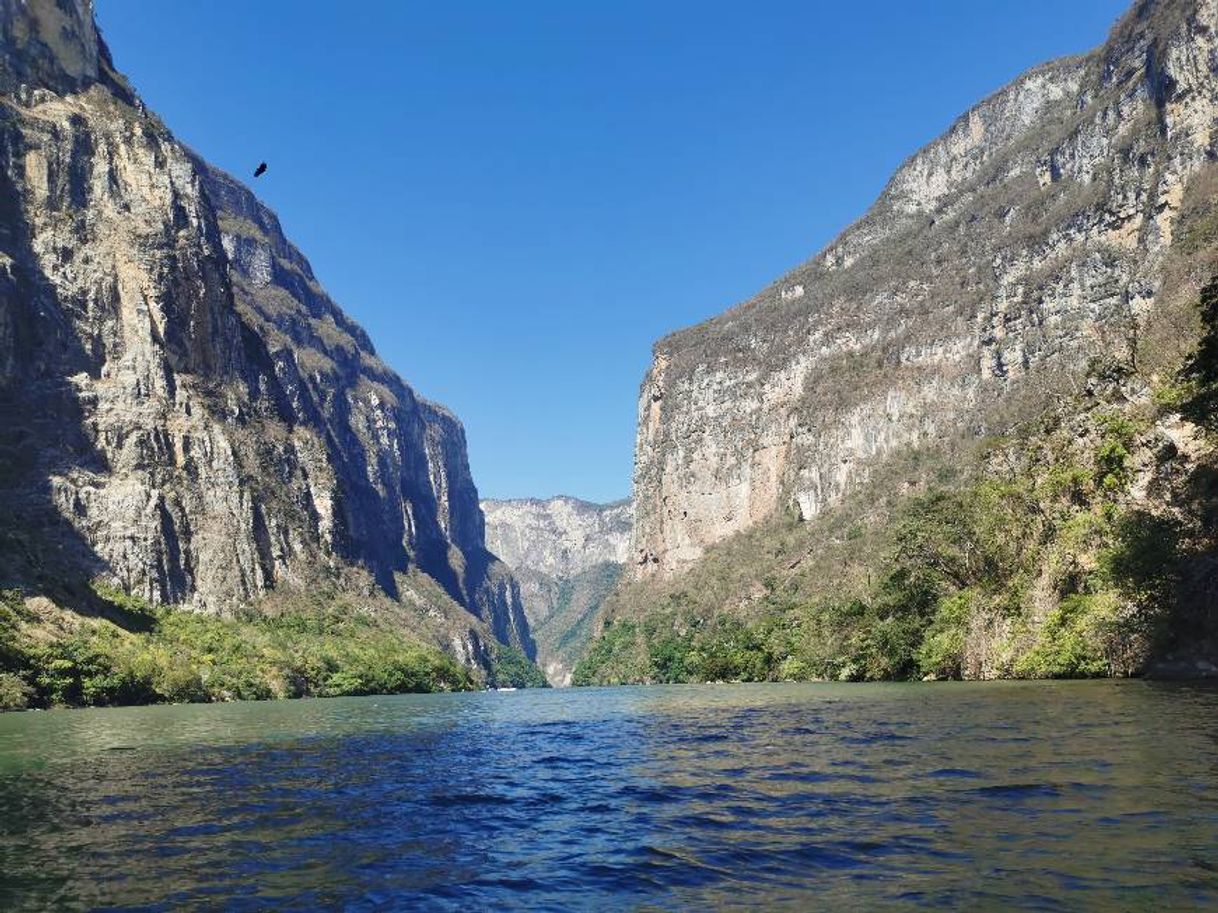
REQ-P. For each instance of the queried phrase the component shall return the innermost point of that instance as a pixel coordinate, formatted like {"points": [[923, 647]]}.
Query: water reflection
{"points": [[976, 796]]}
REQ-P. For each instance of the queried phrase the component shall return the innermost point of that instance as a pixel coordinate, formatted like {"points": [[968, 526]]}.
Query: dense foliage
{"points": [[169, 655], [993, 554], [510, 668]]}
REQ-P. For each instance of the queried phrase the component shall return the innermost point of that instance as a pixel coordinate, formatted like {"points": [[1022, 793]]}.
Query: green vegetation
{"points": [[53, 658], [1043, 558], [15, 694], [1198, 390], [1071, 643], [563, 634], [510, 668], [991, 555]]}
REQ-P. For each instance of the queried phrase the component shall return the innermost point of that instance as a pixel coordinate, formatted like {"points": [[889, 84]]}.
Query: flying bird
{"points": [[261, 168]]}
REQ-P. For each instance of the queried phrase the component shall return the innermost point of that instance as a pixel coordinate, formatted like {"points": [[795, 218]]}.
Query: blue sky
{"points": [[516, 199]]}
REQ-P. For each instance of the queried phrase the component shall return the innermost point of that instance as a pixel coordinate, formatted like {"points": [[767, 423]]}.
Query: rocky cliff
{"points": [[184, 412], [998, 262], [567, 554], [974, 437]]}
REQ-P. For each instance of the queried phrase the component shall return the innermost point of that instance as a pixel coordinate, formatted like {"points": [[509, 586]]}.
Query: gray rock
{"points": [[567, 555], [1001, 258], [184, 412]]}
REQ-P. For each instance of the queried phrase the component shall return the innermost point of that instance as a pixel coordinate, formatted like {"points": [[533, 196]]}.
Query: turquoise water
{"points": [[1088, 795]]}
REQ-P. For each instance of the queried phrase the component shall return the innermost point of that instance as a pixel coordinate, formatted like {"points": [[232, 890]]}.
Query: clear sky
{"points": [[517, 198]]}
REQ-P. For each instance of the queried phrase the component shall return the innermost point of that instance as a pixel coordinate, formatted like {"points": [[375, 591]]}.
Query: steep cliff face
{"points": [[51, 44], [559, 537], [404, 487], [183, 411], [999, 260], [567, 555]]}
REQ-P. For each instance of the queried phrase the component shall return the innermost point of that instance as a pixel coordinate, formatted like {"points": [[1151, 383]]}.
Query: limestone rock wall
{"points": [[557, 536], [566, 555], [998, 261], [184, 412]]}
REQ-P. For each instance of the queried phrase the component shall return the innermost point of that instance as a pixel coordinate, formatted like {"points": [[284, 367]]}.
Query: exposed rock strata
{"points": [[183, 411], [1000, 259], [567, 555]]}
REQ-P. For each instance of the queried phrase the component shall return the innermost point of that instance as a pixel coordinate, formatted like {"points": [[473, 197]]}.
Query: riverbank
{"points": [[136, 654]]}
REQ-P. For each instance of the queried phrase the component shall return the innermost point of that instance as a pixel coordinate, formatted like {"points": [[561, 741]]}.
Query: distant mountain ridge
{"points": [[567, 555]]}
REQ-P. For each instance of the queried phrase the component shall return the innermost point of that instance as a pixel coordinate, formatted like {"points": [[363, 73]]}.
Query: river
{"points": [[1073, 795]]}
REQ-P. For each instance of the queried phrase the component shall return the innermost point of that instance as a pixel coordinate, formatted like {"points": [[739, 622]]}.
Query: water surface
{"points": [[1100, 795]]}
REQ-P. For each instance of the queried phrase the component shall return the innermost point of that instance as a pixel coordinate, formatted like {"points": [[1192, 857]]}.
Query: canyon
{"points": [[567, 556], [861, 472]]}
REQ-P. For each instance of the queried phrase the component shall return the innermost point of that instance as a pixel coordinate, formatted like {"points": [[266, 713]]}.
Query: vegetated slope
{"points": [[567, 555], [1038, 264], [185, 416]]}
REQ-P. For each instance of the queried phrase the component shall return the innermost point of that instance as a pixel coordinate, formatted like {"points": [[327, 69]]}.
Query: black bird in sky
{"points": [[261, 168]]}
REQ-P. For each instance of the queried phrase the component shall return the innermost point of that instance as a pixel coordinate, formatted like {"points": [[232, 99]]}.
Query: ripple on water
{"points": [[789, 797]]}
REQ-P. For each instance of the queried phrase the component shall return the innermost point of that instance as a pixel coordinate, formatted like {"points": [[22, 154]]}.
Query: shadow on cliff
{"points": [[42, 421], [490, 583], [1191, 619]]}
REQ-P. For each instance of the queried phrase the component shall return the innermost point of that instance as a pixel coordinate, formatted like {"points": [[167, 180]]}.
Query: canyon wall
{"points": [[567, 554], [997, 264], [184, 412]]}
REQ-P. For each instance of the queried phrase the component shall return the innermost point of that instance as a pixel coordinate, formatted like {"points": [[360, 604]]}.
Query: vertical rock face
{"points": [[999, 260], [54, 45], [183, 410], [567, 555], [559, 536]]}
